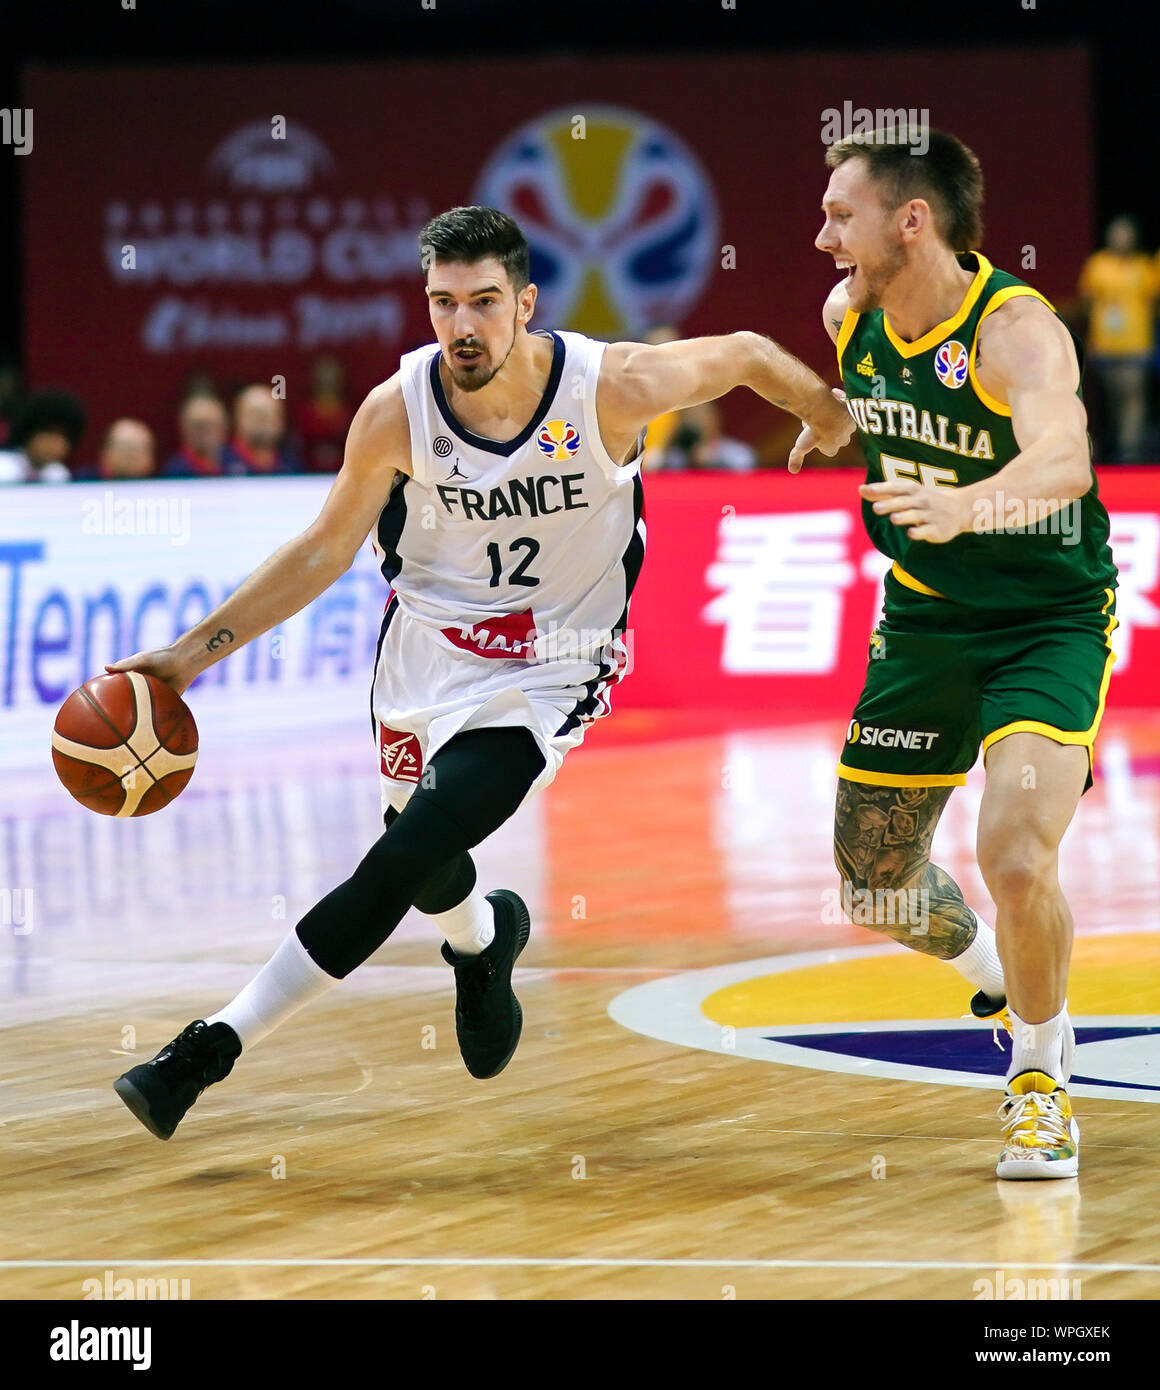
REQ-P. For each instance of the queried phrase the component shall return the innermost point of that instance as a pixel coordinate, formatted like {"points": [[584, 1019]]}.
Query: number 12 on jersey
{"points": [[519, 575]]}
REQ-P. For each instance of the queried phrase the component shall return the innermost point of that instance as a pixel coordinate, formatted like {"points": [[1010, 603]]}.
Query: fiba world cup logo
{"points": [[558, 440], [950, 364], [620, 216]]}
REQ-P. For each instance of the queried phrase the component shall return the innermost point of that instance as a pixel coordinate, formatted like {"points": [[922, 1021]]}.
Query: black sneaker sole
{"points": [[984, 1006], [139, 1107], [523, 931]]}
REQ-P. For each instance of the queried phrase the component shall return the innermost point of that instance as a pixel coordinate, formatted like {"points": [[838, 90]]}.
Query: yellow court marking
{"points": [[1109, 975]]}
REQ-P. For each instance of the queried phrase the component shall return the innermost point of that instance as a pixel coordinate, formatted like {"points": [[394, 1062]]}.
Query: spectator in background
{"points": [[202, 424], [46, 430], [199, 383], [1119, 288], [323, 421], [259, 429], [697, 443], [127, 451]]}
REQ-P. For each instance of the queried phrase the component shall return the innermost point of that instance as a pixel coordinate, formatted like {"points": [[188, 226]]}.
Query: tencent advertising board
{"points": [[758, 595]]}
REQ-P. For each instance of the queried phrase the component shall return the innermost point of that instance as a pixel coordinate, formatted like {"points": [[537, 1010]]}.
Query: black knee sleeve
{"points": [[476, 782]]}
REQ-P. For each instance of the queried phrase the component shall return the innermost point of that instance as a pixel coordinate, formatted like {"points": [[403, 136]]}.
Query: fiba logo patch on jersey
{"points": [[402, 758], [950, 364], [619, 214], [558, 440], [442, 446]]}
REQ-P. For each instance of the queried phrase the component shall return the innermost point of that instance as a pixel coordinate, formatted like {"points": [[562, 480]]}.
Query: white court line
{"points": [[581, 1262]]}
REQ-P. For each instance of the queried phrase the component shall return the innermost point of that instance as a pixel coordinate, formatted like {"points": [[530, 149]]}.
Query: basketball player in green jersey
{"points": [[965, 387]]}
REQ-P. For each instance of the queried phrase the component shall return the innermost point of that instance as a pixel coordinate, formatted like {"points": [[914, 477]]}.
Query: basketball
{"points": [[124, 744]]}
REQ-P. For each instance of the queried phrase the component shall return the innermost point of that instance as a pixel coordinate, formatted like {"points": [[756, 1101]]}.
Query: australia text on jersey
{"points": [[1039, 515], [903, 421]]}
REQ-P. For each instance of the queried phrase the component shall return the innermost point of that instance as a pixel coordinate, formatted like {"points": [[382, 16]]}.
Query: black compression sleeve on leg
{"points": [[470, 788], [448, 886]]}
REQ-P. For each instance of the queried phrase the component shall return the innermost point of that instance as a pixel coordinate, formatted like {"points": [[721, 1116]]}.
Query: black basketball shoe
{"points": [[985, 1006], [488, 1017], [161, 1091]]}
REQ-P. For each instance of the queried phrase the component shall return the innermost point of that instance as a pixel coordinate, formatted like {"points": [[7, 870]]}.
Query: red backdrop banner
{"points": [[243, 220], [759, 593]]}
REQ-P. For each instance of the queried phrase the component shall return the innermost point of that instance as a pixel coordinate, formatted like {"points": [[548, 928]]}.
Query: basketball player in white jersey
{"points": [[498, 471]]}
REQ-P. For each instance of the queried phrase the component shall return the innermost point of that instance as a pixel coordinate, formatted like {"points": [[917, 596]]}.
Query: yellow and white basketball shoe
{"points": [[1041, 1133]]}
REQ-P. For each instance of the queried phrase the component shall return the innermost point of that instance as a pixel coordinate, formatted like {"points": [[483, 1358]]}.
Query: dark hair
{"points": [[49, 410], [948, 176], [473, 234]]}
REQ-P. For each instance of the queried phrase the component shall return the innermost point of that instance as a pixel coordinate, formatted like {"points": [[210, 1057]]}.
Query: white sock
{"points": [[1045, 1047], [980, 962], [470, 927], [288, 980]]}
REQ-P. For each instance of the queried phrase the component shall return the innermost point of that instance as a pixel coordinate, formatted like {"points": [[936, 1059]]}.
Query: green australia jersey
{"points": [[922, 414]]}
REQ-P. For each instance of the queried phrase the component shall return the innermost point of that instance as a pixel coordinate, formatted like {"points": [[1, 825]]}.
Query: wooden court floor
{"points": [[351, 1156]]}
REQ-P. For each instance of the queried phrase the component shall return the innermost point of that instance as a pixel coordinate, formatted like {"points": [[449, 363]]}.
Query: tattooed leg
{"points": [[882, 838]]}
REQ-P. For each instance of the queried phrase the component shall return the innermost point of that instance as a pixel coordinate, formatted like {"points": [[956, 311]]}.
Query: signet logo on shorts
{"points": [[402, 757]]}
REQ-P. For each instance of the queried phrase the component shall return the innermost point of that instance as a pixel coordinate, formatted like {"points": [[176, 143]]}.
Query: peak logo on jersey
{"points": [[866, 366], [558, 440], [886, 1012], [950, 364], [508, 636], [620, 216], [401, 755]]}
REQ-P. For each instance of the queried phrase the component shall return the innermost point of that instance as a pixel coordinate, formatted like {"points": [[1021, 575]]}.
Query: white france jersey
{"points": [[525, 550]]}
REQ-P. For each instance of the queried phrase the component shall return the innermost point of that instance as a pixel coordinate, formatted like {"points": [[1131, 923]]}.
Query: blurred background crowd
{"points": [[251, 429]]}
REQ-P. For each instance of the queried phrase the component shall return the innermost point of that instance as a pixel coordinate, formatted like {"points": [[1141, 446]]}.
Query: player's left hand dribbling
{"points": [[934, 514]]}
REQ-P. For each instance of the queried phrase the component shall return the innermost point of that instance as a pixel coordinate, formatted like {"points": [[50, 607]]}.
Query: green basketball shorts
{"points": [[943, 681]]}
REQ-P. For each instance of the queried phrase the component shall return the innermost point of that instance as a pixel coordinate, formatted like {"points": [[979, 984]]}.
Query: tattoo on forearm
{"points": [[221, 638], [882, 838]]}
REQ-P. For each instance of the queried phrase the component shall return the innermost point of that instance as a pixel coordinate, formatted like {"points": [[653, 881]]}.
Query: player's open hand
{"points": [[826, 434], [163, 663], [935, 514]]}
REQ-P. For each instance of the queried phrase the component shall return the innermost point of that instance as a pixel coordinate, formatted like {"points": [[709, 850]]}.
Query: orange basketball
{"points": [[124, 744]]}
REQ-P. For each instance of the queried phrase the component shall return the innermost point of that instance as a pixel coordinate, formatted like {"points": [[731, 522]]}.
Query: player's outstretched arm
{"points": [[1025, 360], [639, 381], [377, 447]]}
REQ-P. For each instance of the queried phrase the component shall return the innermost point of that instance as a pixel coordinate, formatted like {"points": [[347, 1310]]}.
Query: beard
{"points": [[478, 373], [876, 279], [474, 376]]}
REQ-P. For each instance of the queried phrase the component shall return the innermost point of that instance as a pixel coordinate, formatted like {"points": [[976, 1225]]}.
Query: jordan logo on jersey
{"points": [[456, 472], [402, 758]]}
